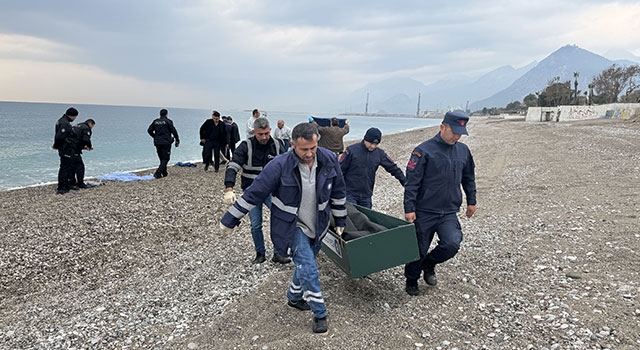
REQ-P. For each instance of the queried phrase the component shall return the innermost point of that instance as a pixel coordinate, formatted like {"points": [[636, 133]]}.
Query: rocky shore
{"points": [[550, 260]]}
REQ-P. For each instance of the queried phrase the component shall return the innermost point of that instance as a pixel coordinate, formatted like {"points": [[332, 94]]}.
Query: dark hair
{"points": [[261, 123], [72, 112], [255, 111], [163, 112], [334, 121], [305, 131], [216, 114], [90, 121]]}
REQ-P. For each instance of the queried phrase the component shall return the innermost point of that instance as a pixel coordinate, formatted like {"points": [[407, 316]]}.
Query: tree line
{"points": [[614, 84]]}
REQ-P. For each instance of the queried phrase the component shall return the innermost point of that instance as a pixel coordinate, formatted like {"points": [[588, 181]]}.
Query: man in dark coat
{"points": [[163, 133], [213, 138], [359, 164], [82, 142], [64, 130], [234, 136]]}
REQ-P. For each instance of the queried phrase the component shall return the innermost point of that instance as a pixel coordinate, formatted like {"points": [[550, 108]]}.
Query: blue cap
{"points": [[457, 121]]}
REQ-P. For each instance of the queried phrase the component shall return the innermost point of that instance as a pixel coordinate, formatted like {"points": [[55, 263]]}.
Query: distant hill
{"points": [[494, 89], [561, 63], [400, 95]]}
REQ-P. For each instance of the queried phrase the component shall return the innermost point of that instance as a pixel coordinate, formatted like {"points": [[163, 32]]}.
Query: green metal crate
{"points": [[359, 257]]}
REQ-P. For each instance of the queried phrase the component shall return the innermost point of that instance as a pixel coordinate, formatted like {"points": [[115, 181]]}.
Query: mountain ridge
{"points": [[496, 88]]}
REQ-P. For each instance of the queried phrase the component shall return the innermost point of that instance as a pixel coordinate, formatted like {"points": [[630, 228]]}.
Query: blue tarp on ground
{"points": [[125, 177], [186, 164]]}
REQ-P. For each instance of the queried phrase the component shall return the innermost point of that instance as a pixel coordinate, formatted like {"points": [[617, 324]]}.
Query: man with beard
{"points": [[307, 188]]}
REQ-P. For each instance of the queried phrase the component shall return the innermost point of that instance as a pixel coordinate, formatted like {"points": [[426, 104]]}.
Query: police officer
{"points": [[163, 133], [82, 141], [64, 130], [250, 158], [359, 164], [432, 197]]}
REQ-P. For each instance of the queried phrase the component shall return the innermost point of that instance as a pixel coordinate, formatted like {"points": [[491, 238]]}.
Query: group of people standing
{"points": [[307, 186], [70, 140], [304, 185]]}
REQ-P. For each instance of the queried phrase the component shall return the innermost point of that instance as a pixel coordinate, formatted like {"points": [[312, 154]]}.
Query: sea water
{"points": [[120, 139]]}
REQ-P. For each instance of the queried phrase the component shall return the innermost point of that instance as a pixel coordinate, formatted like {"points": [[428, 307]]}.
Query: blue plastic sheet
{"points": [[125, 177]]}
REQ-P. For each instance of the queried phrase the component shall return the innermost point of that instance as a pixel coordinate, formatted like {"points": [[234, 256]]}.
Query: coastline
{"points": [[142, 264]]}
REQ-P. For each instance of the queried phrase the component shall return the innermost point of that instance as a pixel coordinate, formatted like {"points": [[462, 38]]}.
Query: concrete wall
{"points": [[568, 113]]}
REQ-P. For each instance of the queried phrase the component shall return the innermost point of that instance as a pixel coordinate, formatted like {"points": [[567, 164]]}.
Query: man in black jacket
{"points": [[234, 136], [359, 164], [250, 158], [163, 133], [64, 130], [213, 138], [82, 142]]}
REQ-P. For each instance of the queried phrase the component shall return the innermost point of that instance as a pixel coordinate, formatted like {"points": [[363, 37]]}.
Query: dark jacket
{"points": [[435, 172], [234, 133], [63, 130], [163, 132], [359, 168], [217, 134], [250, 157], [82, 136], [281, 179]]}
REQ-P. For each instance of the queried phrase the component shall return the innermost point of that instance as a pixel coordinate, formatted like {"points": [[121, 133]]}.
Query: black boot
{"points": [[412, 288], [430, 274], [277, 258], [259, 258]]}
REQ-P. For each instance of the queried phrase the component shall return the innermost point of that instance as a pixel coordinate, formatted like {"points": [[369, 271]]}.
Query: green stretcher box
{"points": [[375, 252]]}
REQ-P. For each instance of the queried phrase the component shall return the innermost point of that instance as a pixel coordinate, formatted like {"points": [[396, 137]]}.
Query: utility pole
{"points": [[366, 106], [418, 111]]}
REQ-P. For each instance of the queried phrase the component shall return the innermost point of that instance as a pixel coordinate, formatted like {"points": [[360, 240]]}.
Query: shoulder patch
{"points": [[416, 153], [412, 163]]}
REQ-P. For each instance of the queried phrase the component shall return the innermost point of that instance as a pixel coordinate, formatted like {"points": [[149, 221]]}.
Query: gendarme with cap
{"points": [[457, 121]]}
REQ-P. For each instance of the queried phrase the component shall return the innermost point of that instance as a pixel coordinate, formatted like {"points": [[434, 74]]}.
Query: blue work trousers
{"points": [[305, 282], [449, 238], [255, 216]]}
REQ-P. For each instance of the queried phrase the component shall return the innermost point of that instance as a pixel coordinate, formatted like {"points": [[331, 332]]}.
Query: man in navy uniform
{"points": [[435, 172], [359, 164], [163, 133], [64, 131]]}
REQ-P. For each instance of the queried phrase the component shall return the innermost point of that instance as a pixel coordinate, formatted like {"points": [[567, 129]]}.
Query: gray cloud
{"points": [[275, 52]]}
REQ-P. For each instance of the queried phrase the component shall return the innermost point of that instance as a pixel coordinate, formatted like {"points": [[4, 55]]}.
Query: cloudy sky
{"points": [[280, 54]]}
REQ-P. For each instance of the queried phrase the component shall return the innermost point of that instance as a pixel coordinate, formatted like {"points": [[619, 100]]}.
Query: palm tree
{"points": [[575, 85]]}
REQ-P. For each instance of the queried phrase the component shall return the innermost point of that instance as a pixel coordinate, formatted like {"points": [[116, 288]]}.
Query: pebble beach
{"points": [[551, 259]]}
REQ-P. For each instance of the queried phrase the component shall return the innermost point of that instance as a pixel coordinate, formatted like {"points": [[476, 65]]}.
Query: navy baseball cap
{"points": [[457, 121]]}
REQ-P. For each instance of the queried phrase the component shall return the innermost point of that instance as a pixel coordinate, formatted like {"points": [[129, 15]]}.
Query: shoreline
{"points": [[198, 162], [143, 265]]}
